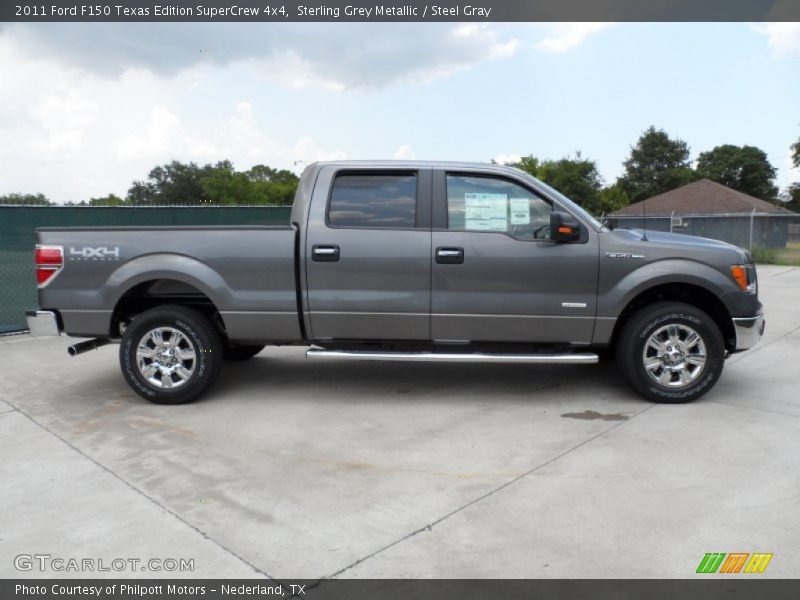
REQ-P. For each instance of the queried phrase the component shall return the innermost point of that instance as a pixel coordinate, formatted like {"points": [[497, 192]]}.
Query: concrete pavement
{"points": [[299, 469]]}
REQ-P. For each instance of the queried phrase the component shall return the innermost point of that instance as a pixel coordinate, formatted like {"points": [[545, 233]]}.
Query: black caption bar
{"points": [[395, 589], [408, 10]]}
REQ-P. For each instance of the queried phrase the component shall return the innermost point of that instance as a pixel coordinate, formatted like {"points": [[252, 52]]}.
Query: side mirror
{"points": [[564, 227]]}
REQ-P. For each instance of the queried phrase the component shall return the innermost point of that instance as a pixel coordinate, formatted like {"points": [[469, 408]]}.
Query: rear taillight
{"points": [[49, 261]]}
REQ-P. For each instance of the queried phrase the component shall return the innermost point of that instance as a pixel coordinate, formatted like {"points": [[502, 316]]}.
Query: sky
{"points": [[87, 108]]}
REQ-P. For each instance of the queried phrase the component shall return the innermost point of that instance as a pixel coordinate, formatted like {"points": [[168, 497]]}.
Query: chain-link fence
{"points": [[17, 239], [746, 230]]}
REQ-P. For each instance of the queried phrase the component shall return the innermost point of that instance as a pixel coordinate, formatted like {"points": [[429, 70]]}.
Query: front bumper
{"points": [[748, 331], [43, 322]]}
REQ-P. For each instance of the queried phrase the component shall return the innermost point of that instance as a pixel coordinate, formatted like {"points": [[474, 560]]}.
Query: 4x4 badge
{"points": [[94, 253]]}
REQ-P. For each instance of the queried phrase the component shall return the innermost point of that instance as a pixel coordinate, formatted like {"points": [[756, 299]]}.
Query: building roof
{"points": [[703, 197]]}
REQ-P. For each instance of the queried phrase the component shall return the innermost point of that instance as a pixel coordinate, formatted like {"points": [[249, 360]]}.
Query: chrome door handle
{"points": [[449, 256], [325, 253]]}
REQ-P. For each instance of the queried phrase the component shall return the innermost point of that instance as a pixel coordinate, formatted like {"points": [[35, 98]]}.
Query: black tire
{"points": [[649, 321], [239, 353], [195, 332]]}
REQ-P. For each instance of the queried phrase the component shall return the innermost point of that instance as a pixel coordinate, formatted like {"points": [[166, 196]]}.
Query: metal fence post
{"points": [[752, 219], [671, 216]]}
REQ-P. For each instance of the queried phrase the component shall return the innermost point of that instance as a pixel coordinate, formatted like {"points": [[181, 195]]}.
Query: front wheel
{"points": [[671, 352], [170, 354]]}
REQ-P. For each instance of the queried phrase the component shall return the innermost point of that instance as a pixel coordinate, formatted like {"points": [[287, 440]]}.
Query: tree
{"points": [[173, 183], [529, 164], [743, 168], [223, 185], [577, 178], [657, 164], [276, 187], [612, 198], [270, 175], [38, 199], [794, 197], [220, 183], [259, 185], [794, 189], [109, 200]]}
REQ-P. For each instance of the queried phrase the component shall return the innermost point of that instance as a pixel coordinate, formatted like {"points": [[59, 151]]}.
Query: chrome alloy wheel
{"points": [[166, 358], [674, 356]]}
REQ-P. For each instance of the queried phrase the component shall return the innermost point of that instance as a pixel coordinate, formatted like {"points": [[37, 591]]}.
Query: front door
{"points": [[368, 255], [496, 274]]}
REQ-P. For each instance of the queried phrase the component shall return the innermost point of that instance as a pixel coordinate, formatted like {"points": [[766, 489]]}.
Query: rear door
{"points": [[496, 274], [368, 255]]}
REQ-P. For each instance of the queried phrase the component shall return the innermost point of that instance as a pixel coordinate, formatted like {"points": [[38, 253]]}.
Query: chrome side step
{"points": [[584, 358]]}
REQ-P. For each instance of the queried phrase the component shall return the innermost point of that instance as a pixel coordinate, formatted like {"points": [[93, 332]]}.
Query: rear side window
{"points": [[374, 200]]}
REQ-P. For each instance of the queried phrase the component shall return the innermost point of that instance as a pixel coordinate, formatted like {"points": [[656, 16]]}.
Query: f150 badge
{"points": [[94, 253], [623, 255]]}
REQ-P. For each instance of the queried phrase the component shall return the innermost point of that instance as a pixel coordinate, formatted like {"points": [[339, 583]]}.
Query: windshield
{"points": [[562, 198]]}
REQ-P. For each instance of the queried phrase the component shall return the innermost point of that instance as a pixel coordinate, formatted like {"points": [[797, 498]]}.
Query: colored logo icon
{"points": [[734, 562]]}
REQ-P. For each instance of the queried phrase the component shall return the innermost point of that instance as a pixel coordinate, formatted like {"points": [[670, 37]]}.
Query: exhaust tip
{"points": [[82, 347]]}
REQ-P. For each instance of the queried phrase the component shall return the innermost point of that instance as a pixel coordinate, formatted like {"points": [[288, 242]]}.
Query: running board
{"points": [[563, 359]]}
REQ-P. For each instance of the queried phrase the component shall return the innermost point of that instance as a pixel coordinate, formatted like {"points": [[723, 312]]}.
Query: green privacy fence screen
{"points": [[17, 239]]}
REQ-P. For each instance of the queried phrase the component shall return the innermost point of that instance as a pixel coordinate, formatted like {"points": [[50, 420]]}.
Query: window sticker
{"points": [[485, 212], [520, 211]]}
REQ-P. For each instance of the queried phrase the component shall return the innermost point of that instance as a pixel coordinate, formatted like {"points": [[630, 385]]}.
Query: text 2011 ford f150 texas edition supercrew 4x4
{"points": [[413, 261]]}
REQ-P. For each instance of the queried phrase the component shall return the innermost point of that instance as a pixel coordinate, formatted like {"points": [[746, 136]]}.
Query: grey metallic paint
{"points": [[241, 270], [380, 287], [386, 285]]}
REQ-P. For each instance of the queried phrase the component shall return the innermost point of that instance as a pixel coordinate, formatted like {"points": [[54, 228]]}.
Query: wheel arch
{"points": [[680, 291], [150, 293], [162, 278]]}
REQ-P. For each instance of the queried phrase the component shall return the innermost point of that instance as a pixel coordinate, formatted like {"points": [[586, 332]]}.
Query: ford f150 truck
{"points": [[410, 261]]}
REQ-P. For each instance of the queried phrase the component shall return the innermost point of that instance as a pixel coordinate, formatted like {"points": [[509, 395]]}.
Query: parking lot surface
{"points": [[301, 469]]}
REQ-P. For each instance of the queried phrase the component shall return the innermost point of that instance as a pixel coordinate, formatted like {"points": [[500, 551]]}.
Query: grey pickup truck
{"points": [[407, 261]]}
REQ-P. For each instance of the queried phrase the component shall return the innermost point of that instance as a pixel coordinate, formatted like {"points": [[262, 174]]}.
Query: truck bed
{"points": [[248, 272]]}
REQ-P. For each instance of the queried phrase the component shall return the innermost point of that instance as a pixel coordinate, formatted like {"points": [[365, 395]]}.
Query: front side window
{"points": [[374, 200], [493, 204]]}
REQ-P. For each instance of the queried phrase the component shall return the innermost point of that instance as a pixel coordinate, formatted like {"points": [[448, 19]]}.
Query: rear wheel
{"points": [[671, 352], [239, 353], [170, 354]]}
